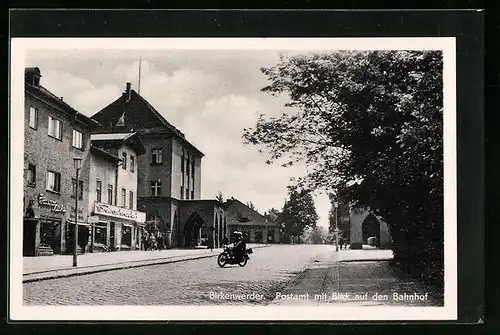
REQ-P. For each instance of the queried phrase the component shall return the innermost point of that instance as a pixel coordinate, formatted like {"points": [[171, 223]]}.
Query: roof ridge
{"points": [[161, 117]]}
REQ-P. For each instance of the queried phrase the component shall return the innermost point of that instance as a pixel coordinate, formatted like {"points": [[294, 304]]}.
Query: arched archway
{"points": [[191, 230], [371, 230]]}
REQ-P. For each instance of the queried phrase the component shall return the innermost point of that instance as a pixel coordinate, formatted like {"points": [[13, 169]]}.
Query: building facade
{"points": [[116, 223], [54, 133], [254, 226], [169, 177]]}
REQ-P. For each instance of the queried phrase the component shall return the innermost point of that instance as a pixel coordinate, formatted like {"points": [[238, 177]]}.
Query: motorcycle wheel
{"points": [[243, 262], [222, 260]]}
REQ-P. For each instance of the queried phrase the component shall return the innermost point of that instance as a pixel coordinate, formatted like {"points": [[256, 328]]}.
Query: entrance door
{"points": [[112, 235], [29, 237]]}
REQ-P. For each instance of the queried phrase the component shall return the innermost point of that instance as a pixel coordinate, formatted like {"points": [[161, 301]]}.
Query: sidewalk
{"points": [[57, 266], [356, 278]]}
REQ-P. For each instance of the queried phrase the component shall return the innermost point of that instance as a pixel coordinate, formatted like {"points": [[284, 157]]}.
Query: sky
{"points": [[210, 95]]}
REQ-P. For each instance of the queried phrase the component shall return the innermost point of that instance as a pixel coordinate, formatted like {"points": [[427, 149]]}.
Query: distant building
{"points": [[254, 226], [112, 207], [54, 133], [368, 229], [169, 179]]}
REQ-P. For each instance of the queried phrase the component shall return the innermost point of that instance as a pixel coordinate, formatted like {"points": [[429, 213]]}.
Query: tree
{"points": [[368, 125], [251, 205], [315, 235], [299, 212]]}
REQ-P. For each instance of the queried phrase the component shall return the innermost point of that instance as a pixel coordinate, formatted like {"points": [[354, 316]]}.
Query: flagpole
{"points": [[139, 83]]}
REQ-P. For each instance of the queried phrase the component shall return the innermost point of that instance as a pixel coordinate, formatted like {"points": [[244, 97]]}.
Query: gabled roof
{"points": [[115, 110], [42, 92]]}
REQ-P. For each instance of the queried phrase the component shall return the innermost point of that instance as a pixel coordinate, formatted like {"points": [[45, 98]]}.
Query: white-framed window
{"points": [[110, 194], [131, 199], [77, 139], [98, 189], [124, 197], [53, 181], [33, 117], [132, 163], [156, 156], [55, 128], [124, 160], [156, 188]]}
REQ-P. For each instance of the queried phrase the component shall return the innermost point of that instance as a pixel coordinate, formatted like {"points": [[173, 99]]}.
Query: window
{"points": [[187, 194], [156, 156], [182, 193], [187, 165], [77, 139], [182, 163], [131, 199], [53, 181], [156, 188], [80, 188], [33, 117], [110, 194], [124, 160], [55, 128], [31, 175], [124, 197], [192, 194], [132, 163], [98, 189], [192, 168]]}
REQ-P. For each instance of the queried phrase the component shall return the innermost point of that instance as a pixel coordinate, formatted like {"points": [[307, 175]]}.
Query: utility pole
{"points": [[336, 204], [77, 161]]}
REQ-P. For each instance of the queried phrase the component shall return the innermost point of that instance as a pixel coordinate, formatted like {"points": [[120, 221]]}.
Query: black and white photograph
{"points": [[233, 179]]}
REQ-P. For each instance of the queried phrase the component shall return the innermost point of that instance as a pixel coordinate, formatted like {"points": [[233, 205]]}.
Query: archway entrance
{"points": [[371, 231], [191, 231]]}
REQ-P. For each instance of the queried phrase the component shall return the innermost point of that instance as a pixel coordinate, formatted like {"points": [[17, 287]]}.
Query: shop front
{"points": [[43, 227], [116, 228]]}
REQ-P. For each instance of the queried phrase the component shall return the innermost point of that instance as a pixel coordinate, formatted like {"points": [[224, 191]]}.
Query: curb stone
{"points": [[65, 273]]}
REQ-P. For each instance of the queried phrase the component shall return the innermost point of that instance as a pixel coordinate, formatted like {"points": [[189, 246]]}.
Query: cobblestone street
{"points": [[189, 282]]}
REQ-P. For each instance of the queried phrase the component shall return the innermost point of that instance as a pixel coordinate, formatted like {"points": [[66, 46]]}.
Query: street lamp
{"points": [[336, 205], [77, 164], [267, 234]]}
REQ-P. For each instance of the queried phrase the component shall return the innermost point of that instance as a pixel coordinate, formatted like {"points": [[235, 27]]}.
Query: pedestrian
{"points": [[160, 241], [152, 242]]}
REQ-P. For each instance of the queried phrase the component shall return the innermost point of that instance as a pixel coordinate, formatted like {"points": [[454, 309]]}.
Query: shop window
{"points": [[100, 235], [53, 181]]}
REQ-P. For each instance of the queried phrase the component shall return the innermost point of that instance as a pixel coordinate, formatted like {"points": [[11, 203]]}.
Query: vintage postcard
{"points": [[233, 179]]}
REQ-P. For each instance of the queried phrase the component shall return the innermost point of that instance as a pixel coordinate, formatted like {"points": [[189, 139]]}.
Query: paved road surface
{"points": [[190, 282]]}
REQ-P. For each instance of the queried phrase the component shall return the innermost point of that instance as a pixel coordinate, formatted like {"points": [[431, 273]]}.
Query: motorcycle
{"points": [[228, 257]]}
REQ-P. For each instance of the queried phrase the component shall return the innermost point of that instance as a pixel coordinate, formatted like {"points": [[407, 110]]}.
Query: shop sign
{"points": [[81, 217], [119, 212], [54, 206]]}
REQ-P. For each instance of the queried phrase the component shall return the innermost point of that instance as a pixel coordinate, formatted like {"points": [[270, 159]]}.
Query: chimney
{"points": [[127, 91]]}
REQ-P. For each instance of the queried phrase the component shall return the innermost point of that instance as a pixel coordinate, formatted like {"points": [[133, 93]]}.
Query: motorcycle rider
{"points": [[239, 245]]}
